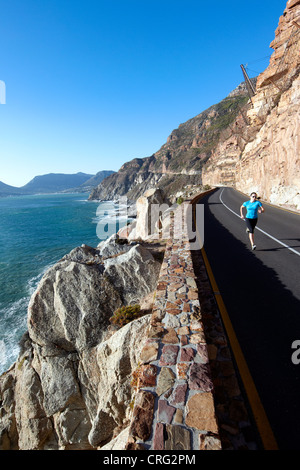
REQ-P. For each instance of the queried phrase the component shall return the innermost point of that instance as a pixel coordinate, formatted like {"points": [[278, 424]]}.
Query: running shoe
{"points": [[253, 247]]}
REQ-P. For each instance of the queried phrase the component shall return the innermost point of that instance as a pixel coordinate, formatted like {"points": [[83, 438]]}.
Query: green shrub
{"points": [[180, 200], [126, 314]]}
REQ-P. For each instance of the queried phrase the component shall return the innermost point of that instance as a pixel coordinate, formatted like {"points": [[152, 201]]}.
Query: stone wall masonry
{"points": [[175, 406]]}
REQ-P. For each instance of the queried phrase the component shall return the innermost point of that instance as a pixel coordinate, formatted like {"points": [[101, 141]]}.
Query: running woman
{"points": [[253, 208]]}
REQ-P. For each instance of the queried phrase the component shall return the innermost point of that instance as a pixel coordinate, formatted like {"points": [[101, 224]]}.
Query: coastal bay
{"points": [[36, 231]]}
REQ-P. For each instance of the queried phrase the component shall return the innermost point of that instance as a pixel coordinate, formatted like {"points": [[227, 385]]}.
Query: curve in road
{"points": [[261, 292]]}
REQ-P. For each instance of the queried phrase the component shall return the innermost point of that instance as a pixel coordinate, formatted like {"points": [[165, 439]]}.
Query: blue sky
{"points": [[92, 84]]}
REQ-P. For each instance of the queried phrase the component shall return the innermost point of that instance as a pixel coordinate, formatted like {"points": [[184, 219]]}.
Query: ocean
{"points": [[35, 232]]}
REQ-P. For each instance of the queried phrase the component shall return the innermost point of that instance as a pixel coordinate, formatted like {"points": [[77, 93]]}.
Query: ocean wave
{"points": [[7, 356], [34, 241], [32, 283], [13, 322]]}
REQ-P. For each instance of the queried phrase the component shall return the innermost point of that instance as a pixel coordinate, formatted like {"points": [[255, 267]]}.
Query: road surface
{"points": [[261, 293]]}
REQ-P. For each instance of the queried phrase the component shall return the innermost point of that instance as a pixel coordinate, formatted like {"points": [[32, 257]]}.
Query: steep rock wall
{"points": [[250, 144], [70, 387], [261, 150], [179, 162], [270, 163], [221, 167]]}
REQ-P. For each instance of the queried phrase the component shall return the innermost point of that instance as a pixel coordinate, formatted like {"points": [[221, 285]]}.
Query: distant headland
{"points": [[56, 182]]}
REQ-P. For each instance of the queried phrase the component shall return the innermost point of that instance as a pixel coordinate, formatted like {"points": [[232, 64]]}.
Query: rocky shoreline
{"points": [[70, 386], [82, 383]]}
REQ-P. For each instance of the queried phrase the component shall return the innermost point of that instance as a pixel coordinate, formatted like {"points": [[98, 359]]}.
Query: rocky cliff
{"points": [[270, 162], [179, 163], [70, 387], [250, 144]]}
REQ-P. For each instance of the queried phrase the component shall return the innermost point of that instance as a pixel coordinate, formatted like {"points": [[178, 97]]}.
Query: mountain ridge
{"points": [[180, 161], [56, 182], [246, 141]]}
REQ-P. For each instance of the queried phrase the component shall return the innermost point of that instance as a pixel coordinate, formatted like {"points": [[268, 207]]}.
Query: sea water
{"points": [[35, 232]]}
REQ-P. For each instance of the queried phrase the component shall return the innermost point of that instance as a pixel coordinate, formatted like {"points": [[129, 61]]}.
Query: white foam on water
{"points": [[13, 322]]}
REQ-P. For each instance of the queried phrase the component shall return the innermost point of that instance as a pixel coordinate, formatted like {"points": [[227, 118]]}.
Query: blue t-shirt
{"points": [[252, 208]]}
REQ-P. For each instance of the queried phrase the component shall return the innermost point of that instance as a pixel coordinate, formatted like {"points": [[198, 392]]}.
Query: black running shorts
{"points": [[251, 223]]}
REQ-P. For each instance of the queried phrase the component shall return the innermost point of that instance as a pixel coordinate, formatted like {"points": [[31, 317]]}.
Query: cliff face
{"points": [[180, 161], [248, 144], [70, 387], [270, 163], [262, 152]]}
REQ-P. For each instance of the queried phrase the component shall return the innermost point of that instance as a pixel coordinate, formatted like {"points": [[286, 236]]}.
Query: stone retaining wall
{"points": [[174, 407]]}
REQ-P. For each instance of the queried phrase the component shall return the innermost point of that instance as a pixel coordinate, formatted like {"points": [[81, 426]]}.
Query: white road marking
{"points": [[257, 228]]}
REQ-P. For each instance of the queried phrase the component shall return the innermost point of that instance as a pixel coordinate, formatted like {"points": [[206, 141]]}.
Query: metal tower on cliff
{"points": [[249, 85]]}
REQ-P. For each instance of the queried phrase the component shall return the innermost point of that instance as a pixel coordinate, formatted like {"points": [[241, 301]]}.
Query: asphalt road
{"points": [[261, 292]]}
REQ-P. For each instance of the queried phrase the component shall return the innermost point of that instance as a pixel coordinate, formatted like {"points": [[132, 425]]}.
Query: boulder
{"points": [[71, 306], [74, 300], [149, 208], [117, 358], [70, 401], [134, 274], [70, 387], [114, 245]]}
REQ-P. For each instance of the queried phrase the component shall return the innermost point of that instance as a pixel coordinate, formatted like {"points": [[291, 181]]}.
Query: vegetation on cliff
{"points": [[180, 161]]}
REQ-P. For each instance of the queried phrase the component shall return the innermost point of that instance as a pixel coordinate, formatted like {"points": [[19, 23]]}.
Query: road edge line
{"points": [[259, 414]]}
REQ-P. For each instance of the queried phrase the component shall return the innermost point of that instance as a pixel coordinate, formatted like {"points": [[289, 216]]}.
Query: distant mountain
{"points": [[95, 180], [6, 190], [56, 182]]}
